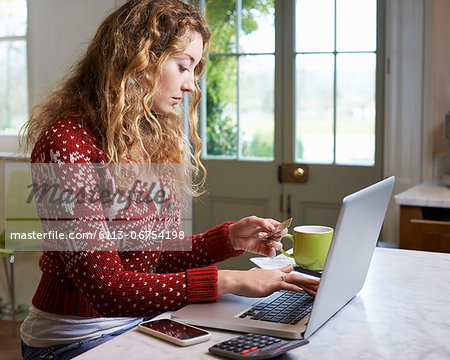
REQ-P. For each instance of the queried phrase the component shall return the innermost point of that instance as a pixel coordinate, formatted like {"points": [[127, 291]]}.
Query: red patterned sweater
{"points": [[103, 281]]}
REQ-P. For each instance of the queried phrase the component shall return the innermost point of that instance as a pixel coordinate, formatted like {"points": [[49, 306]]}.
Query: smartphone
{"points": [[174, 331]]}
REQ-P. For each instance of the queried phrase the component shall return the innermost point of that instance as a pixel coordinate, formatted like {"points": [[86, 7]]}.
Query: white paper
{"points": [[273, 263]]}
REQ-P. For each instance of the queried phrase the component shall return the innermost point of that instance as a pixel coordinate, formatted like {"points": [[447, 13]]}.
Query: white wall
{"points": [[417, 95], [436, 87], [58, 32], [403, 101]]}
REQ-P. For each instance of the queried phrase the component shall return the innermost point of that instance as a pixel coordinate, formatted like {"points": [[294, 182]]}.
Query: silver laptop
{"points": [[355, 237]]}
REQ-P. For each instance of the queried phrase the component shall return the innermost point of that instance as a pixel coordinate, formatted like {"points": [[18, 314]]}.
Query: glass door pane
{"points": [[356, 23], [257, 33], [314, 25], [335, 81], [314, 108], [221, 95], [221, 17], [240, 79], [355, 109], [256, 83]]}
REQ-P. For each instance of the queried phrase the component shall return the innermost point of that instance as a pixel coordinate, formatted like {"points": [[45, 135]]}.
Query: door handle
{"points": [[298, 173], [293, 173]]}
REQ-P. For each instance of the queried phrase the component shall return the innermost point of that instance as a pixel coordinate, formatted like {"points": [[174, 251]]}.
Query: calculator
{"points": [[254, 346]]}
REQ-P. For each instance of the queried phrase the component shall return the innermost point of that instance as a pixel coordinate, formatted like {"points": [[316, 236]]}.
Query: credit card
{"points": [[284, 225]]}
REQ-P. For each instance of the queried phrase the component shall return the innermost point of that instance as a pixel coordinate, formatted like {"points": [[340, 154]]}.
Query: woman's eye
{"points": [[183, 68]]}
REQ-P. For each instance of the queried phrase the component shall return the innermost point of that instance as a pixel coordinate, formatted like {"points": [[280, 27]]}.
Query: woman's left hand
{"points": [[254, 234]]}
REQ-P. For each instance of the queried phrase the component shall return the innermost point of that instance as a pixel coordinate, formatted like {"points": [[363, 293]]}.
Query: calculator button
{"points": [[254, 348], [243, 352]]}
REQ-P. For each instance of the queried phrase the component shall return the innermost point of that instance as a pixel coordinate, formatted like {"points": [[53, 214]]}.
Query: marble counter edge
{"points": [[427, 195]]}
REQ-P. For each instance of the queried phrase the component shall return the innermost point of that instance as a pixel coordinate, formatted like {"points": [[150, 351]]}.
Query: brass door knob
{"points": [[293, 173], [298, 173]]}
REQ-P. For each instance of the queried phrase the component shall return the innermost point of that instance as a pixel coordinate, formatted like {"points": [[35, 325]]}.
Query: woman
{"points": [[118, 108]]}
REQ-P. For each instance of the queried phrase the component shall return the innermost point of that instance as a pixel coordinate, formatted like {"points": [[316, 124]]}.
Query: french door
{"points": [[291, 119]]}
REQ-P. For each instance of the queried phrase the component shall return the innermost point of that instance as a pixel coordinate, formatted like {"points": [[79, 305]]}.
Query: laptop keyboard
{"points": [[288, 308]]}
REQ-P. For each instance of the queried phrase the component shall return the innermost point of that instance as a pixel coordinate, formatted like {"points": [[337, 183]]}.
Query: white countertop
{"points": [[401, 313], [428, 194]]}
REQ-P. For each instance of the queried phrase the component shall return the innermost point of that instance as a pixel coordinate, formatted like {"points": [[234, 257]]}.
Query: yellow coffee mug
{"points": [[310, 245]]}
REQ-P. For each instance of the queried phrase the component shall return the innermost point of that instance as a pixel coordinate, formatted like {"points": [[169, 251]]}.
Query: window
{"points": [[334, 56], [335, 81], [13, 66], [240, 79]]}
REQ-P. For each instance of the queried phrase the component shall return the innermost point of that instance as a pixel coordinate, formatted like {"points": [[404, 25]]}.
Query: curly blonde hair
{"points": [[110, 90]]}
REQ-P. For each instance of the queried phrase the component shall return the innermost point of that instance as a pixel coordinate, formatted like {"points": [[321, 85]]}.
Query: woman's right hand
{"points": [[260, 282]]}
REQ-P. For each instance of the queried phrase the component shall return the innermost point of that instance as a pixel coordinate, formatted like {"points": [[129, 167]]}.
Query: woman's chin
{"points": [[163, 112]]}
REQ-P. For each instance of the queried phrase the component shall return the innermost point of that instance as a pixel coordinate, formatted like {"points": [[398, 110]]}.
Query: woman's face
{"points": [[177, 76]]}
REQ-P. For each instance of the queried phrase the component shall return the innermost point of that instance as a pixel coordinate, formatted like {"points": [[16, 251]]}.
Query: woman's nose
{"points": [[188, 85]]}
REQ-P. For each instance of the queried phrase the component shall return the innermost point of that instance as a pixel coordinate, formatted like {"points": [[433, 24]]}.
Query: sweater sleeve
{"points": [[112, 291], [208, 248], [94, 265]]}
